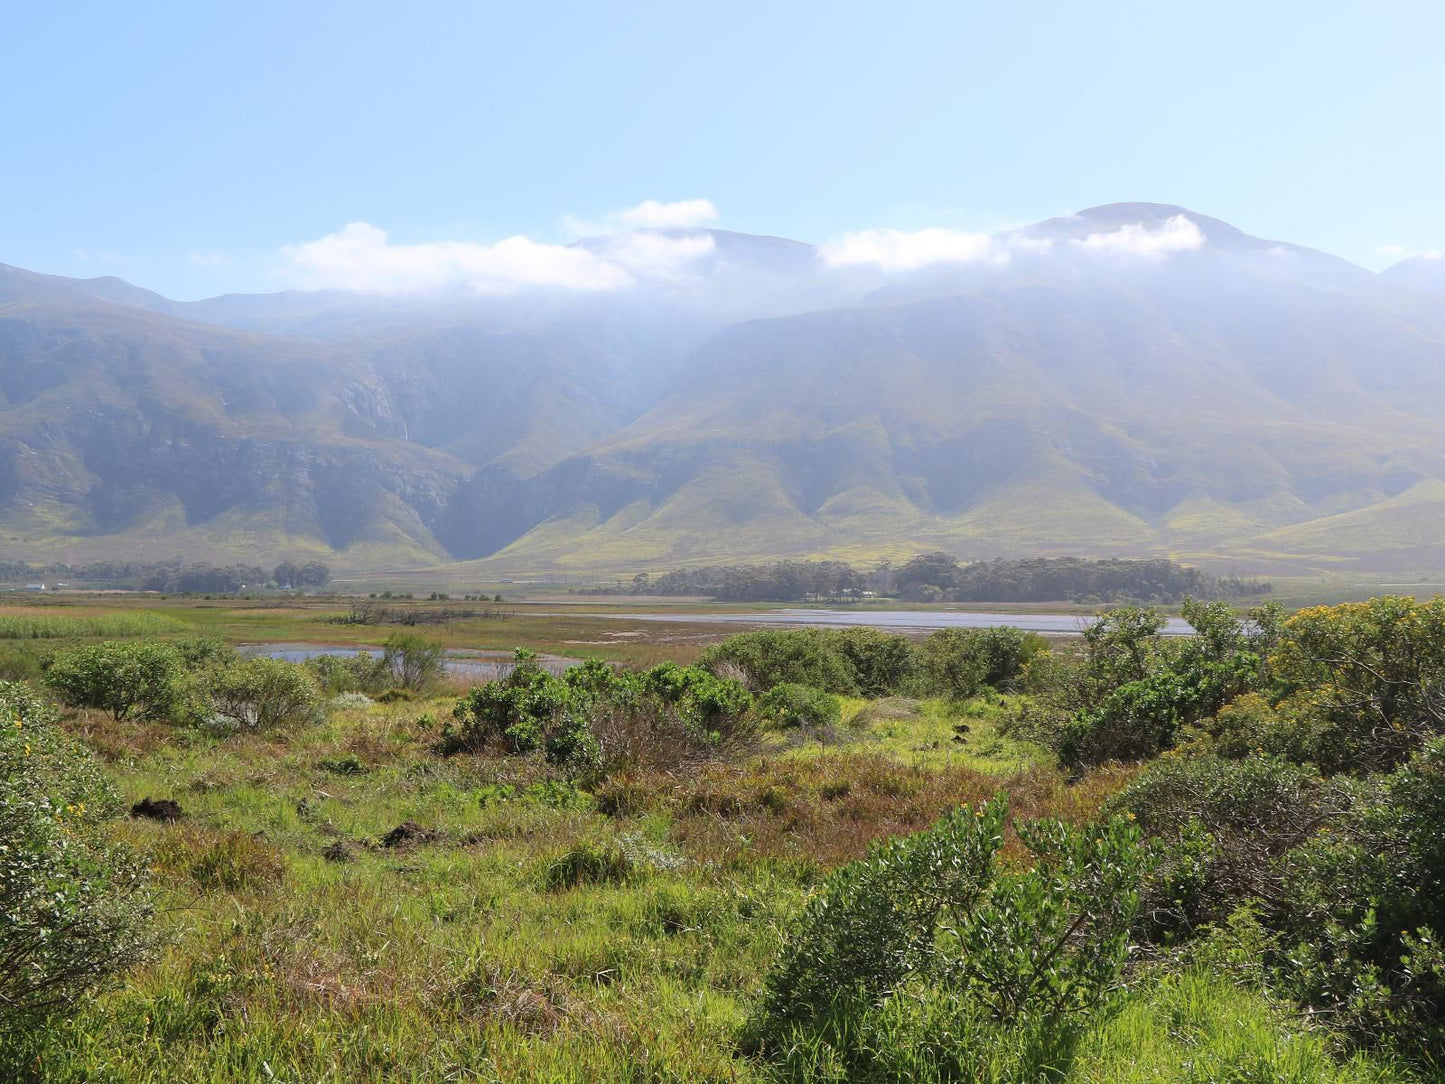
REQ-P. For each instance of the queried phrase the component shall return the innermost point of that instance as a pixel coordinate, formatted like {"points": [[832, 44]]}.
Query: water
{"points": [[465, 665], [927, 620]]}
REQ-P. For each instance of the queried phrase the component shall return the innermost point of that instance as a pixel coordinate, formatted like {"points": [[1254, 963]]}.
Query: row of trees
{"points": [[937, 577], [172, 577]]}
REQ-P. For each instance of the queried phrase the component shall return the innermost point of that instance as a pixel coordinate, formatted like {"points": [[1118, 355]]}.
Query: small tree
{"points": [[74, 909], [415, 662], [131, 680]]}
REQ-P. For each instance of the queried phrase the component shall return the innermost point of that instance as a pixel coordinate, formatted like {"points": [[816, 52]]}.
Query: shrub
{"points": [[264, 694], [1223, 829], [414, 662], [131, 680], [512, 715], [1363, 911], [790, 707], [796, 656], [958, 663], [929, 916], [1361, 681], [75, 906]]}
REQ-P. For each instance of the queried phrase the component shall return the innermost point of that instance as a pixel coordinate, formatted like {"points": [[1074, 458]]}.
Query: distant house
{"points": [[35, 587]]}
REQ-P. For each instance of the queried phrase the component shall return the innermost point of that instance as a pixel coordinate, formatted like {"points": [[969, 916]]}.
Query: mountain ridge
{"points": [[1132, 379]]}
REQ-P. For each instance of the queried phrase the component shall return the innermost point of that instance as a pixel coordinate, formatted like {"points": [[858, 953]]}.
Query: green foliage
{"points": [[413, 662], [74, 907], [959, 663], [1362, 681], [67, 627], [261, 693], [1138, 692], [598, 718], [338, 674], [797, 656], [793, 707], [926, 929], [512, 715], [131, 680], [872, 663], [1364, 911], [1223, 830]]}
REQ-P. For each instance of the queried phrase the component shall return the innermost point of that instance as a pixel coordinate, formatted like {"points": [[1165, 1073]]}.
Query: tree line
{"points": [[171, 577], [938, 577]]}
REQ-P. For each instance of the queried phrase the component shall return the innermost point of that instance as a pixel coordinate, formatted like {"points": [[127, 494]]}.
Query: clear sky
{"points": [[186, 146]]}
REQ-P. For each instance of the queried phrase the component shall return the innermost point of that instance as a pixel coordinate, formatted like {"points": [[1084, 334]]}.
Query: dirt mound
{"points": [[157, 809], [405, 833]]}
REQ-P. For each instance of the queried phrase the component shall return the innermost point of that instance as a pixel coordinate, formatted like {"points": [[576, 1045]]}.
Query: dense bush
{"points": [[956, 663], [131, 680], [1136, 692], [929, 920], [1363, 911], [959, 663], [794, 707], [1223, 829], [263, 694], [596, 718], [74, 909], [796, 656]]}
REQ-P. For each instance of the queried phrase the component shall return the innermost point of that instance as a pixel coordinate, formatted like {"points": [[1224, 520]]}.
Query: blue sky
{"points": [[192, 147]]}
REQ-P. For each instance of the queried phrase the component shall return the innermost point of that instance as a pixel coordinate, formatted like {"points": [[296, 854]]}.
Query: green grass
{"points": [[529, 935], [59, 626]]}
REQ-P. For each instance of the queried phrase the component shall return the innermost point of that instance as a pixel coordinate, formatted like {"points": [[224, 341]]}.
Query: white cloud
{"points": [[909, 250], [1177, 234], [209, 259], [650, 214], [360, 256], [1400, 252]]}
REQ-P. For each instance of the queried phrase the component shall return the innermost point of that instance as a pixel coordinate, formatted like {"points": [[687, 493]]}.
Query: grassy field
{"points": [[343, 904]]}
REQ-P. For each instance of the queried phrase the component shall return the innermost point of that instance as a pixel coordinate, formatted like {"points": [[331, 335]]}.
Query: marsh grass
{"points": [[61, 626]]}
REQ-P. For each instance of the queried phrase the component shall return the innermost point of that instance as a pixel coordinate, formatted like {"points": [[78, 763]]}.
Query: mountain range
{"points": [[1135, 379]]}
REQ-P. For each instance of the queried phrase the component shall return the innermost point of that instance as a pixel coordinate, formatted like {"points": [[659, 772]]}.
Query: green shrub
{"points": [[795, 656], [74, 908], [959, 663], [1223, 829], [131, 680], [925, 929], [792, 707], [512, 715], [339, 674], [1363, 911], [264, 694]]}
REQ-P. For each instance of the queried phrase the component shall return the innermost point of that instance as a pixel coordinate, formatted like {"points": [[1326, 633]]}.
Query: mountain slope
{"points": [[1132, 379]]}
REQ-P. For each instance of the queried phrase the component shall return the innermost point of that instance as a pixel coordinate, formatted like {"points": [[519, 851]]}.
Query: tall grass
{"points": [[67, 627]]}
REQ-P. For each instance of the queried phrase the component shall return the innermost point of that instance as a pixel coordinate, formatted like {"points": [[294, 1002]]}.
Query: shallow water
{"points": [[467, 665], [1056, 624]]}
